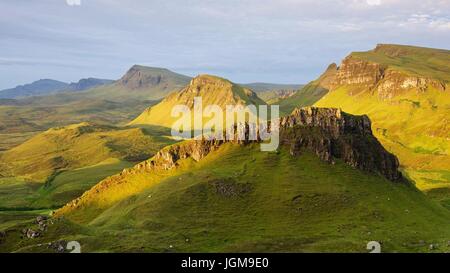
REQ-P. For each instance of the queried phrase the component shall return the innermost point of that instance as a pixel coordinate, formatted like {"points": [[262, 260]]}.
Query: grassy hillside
{"points": [[241, 199], [405, 92], [306, 96], [29, 118], [213, 90], [21, 194], [69, 160], [414, 127], [75, 146]]}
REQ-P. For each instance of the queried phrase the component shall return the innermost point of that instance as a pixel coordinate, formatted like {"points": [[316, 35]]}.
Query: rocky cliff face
{"points": [[390, 70], [333, 134], [381, 79], [358, 72], [395, 82]]}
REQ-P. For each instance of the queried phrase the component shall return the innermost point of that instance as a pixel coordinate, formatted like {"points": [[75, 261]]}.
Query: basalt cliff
{"points": [[391, 70]]}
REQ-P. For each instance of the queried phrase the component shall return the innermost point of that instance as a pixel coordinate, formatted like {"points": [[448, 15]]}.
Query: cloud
{"points": [[373, 2], [349, 27], [244, 40], [73, 2], [426, 21]]}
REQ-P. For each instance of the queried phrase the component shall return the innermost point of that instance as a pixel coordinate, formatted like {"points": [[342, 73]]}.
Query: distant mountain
{"points": [[116, 103], [259, 87], [47, 87], [88, 83], [37, 88], [157, 83], [212, 89], [138, 83], [272, 92], [142, 77]]}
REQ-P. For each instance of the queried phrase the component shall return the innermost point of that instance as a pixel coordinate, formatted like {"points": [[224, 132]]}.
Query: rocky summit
{"points": [[139, 77]]}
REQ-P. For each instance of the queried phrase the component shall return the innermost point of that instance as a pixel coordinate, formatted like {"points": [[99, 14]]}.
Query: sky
{"points": [[280, 41]]}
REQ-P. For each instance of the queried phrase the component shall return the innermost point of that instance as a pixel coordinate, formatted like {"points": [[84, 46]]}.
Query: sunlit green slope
{"points": [[405, 91], [213, 91], [241, 199]]}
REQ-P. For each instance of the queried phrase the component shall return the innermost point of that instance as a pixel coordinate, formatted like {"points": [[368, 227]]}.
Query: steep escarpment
{"points": [[392, 70], [381, 79], [405, 92], [333, 134], [329, 133]]}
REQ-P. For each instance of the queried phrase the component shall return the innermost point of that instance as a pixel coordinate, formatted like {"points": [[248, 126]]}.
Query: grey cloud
{"points": [[245, 40]]}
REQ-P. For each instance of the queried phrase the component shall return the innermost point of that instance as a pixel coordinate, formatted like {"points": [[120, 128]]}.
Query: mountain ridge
{"points": [[48, 86]]}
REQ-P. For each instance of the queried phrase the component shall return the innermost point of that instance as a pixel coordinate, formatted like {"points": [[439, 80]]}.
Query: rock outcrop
{"points": [[353, 71], [383, 72], [328, 132], [381, 79], [333, 134]]}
